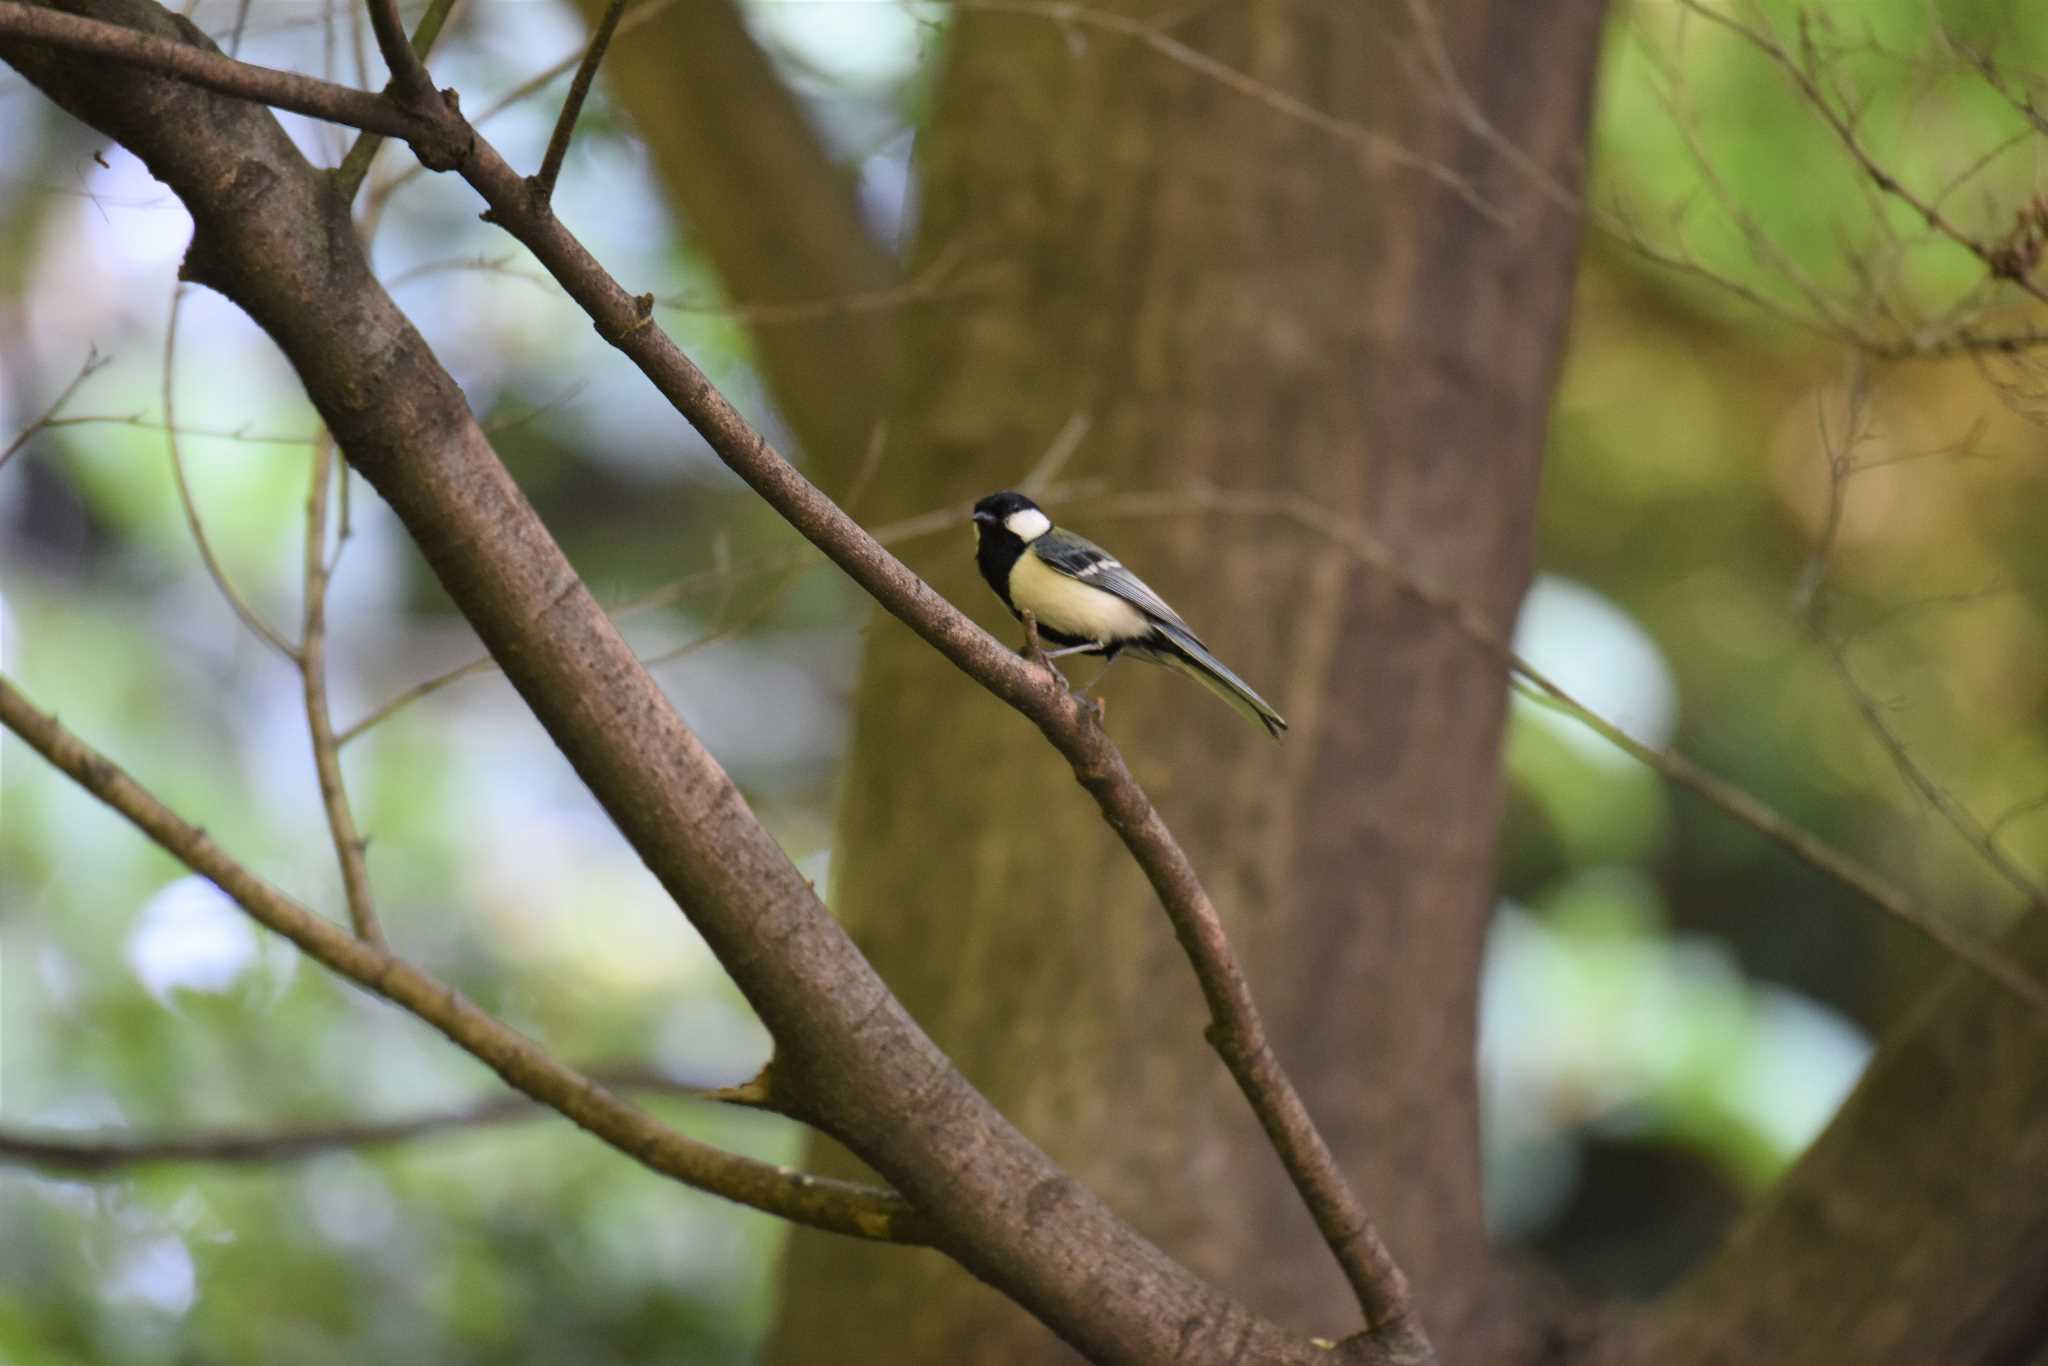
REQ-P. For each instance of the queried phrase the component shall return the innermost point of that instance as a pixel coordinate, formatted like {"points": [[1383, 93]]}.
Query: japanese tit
{"points": [[1086, 602]]}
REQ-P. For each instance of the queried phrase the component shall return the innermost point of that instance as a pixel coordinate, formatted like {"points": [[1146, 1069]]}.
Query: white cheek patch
{"points": [[1028, 524]]}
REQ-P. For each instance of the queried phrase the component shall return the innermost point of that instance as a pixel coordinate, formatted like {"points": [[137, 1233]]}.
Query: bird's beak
{"points": [[985, 518]]}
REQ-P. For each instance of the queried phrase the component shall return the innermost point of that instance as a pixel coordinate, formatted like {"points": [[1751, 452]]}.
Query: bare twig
{"points": [[1843, 126], [2015, 812], [240, 605], [1842, 467], [207, 69], [1840, 453], [1808, 848], [929, 283], [408, 73], [148, 424], [398, 702], [572, 103], [838, 1206], [100, 1154], [348, 177], [349, 846], [637, 16], [94, 363], [1959, 817]]}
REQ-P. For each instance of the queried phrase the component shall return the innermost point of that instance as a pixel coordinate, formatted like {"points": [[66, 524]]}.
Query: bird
{"points": [[1086, 602]]}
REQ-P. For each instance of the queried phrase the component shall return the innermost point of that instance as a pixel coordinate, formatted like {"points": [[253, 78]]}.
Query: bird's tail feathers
{"points": [[1178, 649]]}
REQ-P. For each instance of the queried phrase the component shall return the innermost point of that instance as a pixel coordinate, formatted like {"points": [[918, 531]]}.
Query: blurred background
{"points": [[1789, 562]]}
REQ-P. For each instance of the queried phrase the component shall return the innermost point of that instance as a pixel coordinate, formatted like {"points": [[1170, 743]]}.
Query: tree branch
{"points": [[204, 67], [408, 73], [244, 610], [94, 362], [836, 1206], [348, 177], [113, 1153], [572, 103], [349, 846]]}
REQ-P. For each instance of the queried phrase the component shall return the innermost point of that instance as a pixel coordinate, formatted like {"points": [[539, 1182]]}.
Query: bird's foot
{"points": [[1034, 650]]}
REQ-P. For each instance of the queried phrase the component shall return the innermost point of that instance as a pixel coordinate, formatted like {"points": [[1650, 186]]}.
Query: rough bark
{"points": [[1238, 296]]}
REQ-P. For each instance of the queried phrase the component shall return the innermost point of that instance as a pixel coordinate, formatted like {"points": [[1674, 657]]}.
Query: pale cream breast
{"points": [[1070, 606]]}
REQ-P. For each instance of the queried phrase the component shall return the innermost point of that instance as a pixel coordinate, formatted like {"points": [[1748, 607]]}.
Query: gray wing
{"points": [[1080, 558]]}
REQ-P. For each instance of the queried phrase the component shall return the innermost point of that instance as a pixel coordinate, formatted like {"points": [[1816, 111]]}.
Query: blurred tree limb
{"points": [[112, 1153]]}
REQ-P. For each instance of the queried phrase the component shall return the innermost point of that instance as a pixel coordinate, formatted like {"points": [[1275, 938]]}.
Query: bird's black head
{"points": [[1004, 523], [999, 509]]}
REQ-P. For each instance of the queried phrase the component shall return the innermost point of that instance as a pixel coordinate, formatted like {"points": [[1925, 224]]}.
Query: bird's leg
{"points": [[1066, 650], [1109, 658], [1034, 649]]}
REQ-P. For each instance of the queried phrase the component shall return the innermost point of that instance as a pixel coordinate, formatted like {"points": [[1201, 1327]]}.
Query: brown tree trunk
{"points": [[1238, 294]]}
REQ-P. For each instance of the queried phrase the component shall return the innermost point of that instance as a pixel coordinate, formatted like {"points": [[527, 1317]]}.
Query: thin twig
{"points": [[927, 285], [240, 605], [720, 575], [1842, 467], [526, 89], [426, 688], [838, 1206], [113, 1153], [1959, 817], [148, 424], [408, 73], [348, 177], [349, 846], [572, 103], [1844, 129], [1808, 848], [94, 363]]}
